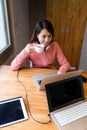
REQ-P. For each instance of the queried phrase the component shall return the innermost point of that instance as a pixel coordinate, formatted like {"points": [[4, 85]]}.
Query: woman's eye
{"points": [[44, 36], [49, 36]]}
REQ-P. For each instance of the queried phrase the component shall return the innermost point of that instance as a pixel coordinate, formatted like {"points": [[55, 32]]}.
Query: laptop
{"points": [[12, 111], [67, 104], [42, 79]]}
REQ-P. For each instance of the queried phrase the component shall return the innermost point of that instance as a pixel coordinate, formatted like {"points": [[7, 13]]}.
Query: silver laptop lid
{"points": [[64, 92]]}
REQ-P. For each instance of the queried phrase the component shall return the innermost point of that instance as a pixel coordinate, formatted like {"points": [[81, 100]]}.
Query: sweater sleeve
{"points": [[19, 60], [63, 62]]}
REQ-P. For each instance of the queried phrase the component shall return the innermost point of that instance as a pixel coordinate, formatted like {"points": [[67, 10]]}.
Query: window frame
{"points": [[7, 51]]}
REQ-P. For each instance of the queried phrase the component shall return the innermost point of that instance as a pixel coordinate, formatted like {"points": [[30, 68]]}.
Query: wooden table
{"points": [[10, 88]]}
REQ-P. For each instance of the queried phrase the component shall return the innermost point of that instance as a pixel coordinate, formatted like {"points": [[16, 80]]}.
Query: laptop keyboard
{"points": [[71, 114]]}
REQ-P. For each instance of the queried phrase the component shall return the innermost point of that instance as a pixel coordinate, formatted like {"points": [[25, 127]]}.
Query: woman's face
{"points": [[44, 37]]}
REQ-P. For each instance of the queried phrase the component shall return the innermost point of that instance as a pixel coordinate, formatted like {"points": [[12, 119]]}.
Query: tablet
{"points": [[12, 111]]}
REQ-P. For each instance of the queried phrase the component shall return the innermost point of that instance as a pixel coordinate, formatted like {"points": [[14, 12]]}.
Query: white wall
{"points": [[83, 58]]}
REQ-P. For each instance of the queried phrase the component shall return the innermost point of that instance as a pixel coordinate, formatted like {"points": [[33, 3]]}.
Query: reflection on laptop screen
{"points": [[65, 92]]}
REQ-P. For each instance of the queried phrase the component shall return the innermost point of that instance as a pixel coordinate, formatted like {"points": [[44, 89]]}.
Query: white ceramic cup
{"points": [[39, 48]]}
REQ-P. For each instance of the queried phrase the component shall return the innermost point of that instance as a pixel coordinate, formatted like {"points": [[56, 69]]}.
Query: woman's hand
{"points": [[60, 72], [29, 49]]}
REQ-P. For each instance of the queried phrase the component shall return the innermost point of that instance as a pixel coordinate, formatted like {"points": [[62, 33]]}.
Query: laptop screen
{"points": [[65, 92]]}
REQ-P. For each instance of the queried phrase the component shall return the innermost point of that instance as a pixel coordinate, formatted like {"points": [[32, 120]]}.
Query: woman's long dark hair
{"points": [[44, 24]]}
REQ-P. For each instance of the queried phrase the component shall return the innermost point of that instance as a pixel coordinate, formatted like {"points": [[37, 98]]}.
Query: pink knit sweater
{"points": [[41, 60]]}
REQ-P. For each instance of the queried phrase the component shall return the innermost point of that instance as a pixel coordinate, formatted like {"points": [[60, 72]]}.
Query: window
{"points": [[5, 43], [4, 30]]}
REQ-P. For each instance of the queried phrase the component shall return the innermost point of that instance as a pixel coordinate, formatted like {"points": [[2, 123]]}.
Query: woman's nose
{"points": [[46, 39]]}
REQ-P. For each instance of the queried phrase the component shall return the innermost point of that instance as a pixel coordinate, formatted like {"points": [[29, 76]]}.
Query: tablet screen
{"points": [[12, 111]]}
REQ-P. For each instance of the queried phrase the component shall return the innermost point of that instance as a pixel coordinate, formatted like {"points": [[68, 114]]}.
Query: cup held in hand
{"points": [[39, 48]]}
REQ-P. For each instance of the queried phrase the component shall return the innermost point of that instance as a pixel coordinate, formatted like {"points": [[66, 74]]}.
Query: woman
{"points": [[43, 34]]}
